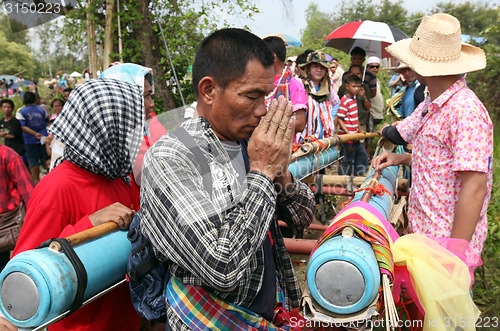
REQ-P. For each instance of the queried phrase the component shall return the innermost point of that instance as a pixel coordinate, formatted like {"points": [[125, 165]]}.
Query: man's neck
{"points": [[350, 95], [278, 68], [8, 118], [438, 84]]}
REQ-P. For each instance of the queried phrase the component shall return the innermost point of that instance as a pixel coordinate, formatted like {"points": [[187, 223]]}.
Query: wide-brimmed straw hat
{"points": [[436, 49], [317, 57], [400, 67]]}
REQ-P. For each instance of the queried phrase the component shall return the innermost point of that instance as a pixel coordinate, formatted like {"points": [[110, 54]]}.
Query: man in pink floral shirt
{"points": [[451, 133]]}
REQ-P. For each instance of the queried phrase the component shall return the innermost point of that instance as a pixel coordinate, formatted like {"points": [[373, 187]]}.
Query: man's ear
{"points": [[207, 89]]}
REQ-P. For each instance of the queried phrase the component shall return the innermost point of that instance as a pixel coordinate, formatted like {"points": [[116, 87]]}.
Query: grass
{"points": [[486, 289]]}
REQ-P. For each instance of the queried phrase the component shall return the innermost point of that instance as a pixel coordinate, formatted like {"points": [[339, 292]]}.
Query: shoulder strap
{"points": [[184, 137]]}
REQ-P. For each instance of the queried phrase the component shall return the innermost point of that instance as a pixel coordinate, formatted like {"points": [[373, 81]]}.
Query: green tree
{"points": [[319, 25], [390, 13], [18, 37], [184, 23], [15, 58], [353, 11]]}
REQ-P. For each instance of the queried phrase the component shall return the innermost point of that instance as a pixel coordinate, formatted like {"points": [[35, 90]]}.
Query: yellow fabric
{"points": [[441, 281]]}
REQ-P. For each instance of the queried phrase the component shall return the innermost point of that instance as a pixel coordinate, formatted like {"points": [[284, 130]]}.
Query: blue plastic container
{"points": [[40, 284], [343, 275], [305, 166], [383, 202]]}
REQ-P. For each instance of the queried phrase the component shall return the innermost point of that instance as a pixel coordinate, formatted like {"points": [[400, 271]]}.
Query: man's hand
{"points": [[115, 212], [381, 128], [270, 147], [5, 325], [362, 93], [390, 159]]}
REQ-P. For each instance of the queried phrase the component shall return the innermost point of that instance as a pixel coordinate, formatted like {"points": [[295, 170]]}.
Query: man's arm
{"points": [[31, 132], [296, 205], [300, 120], [366, 99], [470, 203], [341, 124]]}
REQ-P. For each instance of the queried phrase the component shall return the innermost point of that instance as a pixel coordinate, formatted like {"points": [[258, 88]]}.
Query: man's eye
{"points": [[252, 97]]}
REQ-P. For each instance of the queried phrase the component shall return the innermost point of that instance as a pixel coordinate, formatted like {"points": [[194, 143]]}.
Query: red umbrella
{"points": [[373, 37]]}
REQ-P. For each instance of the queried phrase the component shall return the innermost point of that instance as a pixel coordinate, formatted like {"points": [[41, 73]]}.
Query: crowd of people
{"points": [[215, 222]]}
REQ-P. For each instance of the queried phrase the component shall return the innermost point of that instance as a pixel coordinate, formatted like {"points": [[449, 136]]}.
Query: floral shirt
{"points": [[451, 134]]}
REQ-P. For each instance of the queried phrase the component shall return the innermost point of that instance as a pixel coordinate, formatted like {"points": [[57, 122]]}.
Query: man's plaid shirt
{"points": [[215, 241]]}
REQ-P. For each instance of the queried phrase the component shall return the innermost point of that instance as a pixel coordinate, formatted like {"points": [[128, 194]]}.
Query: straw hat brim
{"points": [[471, 58]]}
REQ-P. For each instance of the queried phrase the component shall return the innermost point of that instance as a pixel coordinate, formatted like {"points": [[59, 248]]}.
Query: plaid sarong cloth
{"points": [[283, 84], [372, 233], [199, 310]]}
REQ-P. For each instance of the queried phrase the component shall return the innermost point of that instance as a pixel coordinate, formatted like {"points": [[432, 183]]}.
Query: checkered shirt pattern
{"points": [[102, 126], [215, 241]]}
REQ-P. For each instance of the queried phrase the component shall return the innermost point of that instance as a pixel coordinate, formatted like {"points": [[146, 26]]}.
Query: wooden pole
{"points": [[119, 31], [108, 35], [311, 147], [91, 40], [337, 180], [371, 184], [87, 235]]}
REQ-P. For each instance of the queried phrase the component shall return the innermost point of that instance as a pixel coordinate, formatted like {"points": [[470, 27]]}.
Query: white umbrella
{"points": [[75, 74]]}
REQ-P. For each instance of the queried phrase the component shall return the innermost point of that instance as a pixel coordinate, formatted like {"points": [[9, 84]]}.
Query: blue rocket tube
{"points": [[382, 203], [343, 275], [40, 284], [306, 166]]}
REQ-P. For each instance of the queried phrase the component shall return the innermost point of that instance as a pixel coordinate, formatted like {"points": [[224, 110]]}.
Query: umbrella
{"points": [[75, 74], [24, 82], [8, 77], [289, 40], [371, 36]]}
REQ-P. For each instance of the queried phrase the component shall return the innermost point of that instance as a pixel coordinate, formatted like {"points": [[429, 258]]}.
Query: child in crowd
{"points": [[354, 160], [57, 106]]}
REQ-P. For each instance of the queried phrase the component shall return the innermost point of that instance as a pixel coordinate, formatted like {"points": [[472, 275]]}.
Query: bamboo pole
{"points": [[108, 35], [371, 184], [119, 31], [87, 235], [311, 147], [338, 180]]}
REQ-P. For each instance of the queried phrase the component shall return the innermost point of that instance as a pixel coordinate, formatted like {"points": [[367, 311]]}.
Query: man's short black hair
{"points": [[225, 53], [29, 98], [356, 66], [277, 46], [358, 51], [10, 102], [68, 89], [353, 79]]}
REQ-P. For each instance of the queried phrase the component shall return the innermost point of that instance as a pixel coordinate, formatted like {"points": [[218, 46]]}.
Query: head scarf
{"points": [[323, 93], [130, 73], [102, 126]]}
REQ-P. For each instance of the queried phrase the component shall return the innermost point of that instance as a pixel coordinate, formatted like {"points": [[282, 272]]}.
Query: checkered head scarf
{"points": [[102, 125]]}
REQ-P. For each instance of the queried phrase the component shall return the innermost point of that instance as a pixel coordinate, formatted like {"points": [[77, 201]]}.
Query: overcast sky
{"points": [[273, 20]]}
